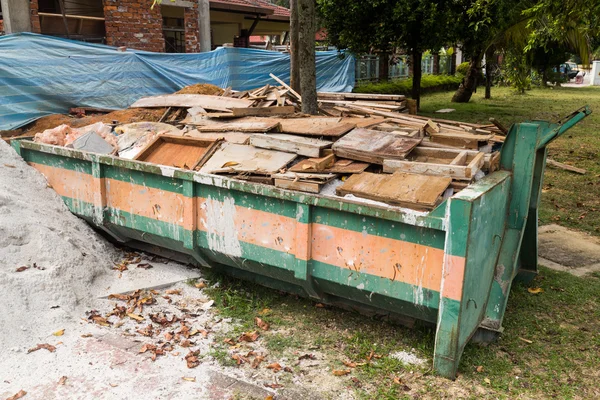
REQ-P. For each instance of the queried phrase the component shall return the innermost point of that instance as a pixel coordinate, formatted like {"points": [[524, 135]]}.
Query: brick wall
{"points": [[132, 23], [35, 19], [192, 45]]}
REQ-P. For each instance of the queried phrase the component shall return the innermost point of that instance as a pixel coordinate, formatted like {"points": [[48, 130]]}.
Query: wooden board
{"points": [[456, 164], [420, 192], [178, 151], [247, 159], [460, 140], [329, 126], [218, 103], [231, 137], [340, 166], [374, 146], [263, 111], [247, 124], [290, 143]]}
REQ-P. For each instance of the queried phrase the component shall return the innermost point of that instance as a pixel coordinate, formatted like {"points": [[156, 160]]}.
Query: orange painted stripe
{"points": [[78, 186], [393, 259]]}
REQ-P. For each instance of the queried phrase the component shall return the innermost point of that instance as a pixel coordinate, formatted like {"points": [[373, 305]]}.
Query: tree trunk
{"points": [[294, 67], [417, 56], [384, 67], [490, 61], [436, 64], [467, 87], [306, 55]]}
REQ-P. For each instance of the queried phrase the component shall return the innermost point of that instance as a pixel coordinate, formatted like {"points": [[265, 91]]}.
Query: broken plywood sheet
{"points": [[231, 137], [340, 166], [248, 124], [207, 102], [374, 146], [290, 143], [420, 192], [329, 126], [232, 158]]}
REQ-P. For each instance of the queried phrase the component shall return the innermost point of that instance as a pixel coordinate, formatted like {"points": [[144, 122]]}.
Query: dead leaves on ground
{"points": [[20, 394], [192, 359], [46, 346], [261, 324]]}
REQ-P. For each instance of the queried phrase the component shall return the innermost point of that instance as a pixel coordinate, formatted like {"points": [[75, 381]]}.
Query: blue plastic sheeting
{"points": [[42, 75]]}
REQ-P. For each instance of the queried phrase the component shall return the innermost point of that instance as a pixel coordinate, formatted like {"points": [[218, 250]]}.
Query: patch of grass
{"points": [[568, 199], [429, 83], [563, 324]]}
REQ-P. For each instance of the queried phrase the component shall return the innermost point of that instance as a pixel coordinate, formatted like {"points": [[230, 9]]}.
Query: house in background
{"points": [[172, 26]]}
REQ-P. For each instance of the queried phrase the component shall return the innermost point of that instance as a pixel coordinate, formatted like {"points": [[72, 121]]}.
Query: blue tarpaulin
{"points": [[42, 75]]}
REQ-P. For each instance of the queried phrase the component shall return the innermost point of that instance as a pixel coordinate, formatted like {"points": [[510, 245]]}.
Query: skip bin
{"points": [[453, 266]]}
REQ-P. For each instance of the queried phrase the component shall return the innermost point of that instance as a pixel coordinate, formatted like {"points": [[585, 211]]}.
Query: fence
{"points": [[367, 66]]}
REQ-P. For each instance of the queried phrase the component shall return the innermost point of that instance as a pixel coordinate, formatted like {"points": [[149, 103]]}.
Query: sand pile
{"points": [[49, 258]]}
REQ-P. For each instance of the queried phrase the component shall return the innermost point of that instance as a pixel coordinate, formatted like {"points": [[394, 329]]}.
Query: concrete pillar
{"points": [[595, 78], [204, 25], [16, 16]]}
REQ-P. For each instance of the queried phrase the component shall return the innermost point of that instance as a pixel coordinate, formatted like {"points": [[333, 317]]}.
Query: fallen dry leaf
{"points": [[192, 359], [189, 378], [249, 336], [341, 372], [135, 316], [261, 324], [256, 362], [62, 380], [200, 285], [20, 394], [275, 367], [535, 290], [59, 333], [21, 269], [46, 346]]}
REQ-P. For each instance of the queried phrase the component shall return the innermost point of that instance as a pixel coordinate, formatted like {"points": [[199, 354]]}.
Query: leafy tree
{"points": [[382, 25]]}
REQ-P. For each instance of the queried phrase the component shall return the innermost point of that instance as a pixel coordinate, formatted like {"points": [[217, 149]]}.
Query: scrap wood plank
{"points": [[565, 167], [262, 111], [245, 124], [461, 140], [234, 158], [430, 162], [218, 103], [290, 143], [420, 192], [232, 137], [340, 166], [318, 126], [374, 146], [311, 183]]}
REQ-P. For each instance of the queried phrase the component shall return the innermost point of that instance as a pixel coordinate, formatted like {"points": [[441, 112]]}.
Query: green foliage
{"points": [[517, 71], [429, 83]]}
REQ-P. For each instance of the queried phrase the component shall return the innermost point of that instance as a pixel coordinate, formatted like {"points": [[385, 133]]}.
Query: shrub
{"points": [[429, 84]]}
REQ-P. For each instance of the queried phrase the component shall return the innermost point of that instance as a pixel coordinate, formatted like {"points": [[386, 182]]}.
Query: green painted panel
{"points": [[53, 160]]}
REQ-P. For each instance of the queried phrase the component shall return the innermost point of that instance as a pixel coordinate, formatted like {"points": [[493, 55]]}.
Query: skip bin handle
{"points": [[564, 125]]}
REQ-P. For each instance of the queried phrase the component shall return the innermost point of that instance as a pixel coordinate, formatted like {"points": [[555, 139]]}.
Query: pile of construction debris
{"points": [[363, 146]]}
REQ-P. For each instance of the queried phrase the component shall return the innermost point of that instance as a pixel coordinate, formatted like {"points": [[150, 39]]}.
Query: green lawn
{"points": [[568, 199]]}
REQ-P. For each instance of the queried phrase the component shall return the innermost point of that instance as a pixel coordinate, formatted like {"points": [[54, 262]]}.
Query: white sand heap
{"points": [[37, 230]]}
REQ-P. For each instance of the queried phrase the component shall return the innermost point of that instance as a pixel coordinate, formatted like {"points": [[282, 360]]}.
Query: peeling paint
{"points": [[220, 226]]}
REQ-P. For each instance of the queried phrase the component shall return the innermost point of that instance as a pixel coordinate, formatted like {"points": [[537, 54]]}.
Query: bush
{"points": [[429, 84]]}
